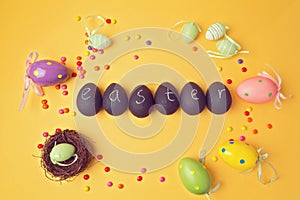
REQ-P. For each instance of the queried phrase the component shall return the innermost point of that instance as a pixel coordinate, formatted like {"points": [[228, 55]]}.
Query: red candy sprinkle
{"points": [[58, 130], [270, 126], [106, 169], [40, 146], [229, 81], [63, 59], [120, 186], [45, 106], [106, 67], [246, 113], [86, 34], [66, 110], [86, 177], [79, 63], [244, 69], [44, 101], [255, 131], [86, 42], [249, 119], [78, 57], [74, 74], [108, 21], [57, 86], [139, 178]]}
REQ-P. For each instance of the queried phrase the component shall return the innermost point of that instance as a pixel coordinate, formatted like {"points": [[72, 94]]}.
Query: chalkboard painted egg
{"points": [[218, 98], [115, 100], [47, 72], [194, 176], [239, 155], [166, 98], [257, 90], [192, 99], [89, 100], [140, 102]]}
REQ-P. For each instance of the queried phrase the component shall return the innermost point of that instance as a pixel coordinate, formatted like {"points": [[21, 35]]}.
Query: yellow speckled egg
{"points": [[239, 155]]}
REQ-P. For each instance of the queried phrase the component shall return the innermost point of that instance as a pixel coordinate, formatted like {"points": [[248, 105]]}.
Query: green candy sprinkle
{"points": [[246, 94], [259, 80], [270, 94]]}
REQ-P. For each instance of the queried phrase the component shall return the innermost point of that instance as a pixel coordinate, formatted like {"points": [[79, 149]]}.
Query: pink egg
{"points": [[257, 90]]}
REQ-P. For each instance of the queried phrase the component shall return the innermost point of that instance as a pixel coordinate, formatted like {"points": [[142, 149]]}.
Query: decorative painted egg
{"points": [[194, 176], [216, 31], [47, 72], [227, 48], [189, 32], [239, 155], [218, 98], [166, 98], [115, 100], [192, 99], [61, 152], [89, 100], [141, 101], [99, 41], [257, 90]]}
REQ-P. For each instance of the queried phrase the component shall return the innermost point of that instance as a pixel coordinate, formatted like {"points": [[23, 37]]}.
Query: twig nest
{"points": [[64, 155]]}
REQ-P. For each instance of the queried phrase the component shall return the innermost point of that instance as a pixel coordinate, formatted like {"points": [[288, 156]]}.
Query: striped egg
{"points": [[227, 48], [99, 41], [216, 31]]}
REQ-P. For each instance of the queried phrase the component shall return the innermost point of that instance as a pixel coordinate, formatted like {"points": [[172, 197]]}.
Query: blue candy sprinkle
{"points": [[242, 161], [231, 142], [223, 150]]}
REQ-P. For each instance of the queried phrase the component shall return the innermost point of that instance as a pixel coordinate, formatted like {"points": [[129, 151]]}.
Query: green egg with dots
{"points": [[194, 176]]}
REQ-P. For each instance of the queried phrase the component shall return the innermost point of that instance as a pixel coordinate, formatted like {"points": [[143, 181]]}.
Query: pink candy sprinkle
{"points": [[63, 59], [109, 184], [79, 68], [65, 93], [99, 157], [64, 87], [81, 76], [92, 57], [45, 134], [242, 138], [135, 57], [162, 179], [100, 51], [143, 170], [61, 111]]}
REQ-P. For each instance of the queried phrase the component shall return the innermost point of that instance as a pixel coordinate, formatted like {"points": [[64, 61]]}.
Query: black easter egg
{"points": [[89, 100], [115, 100], [166, 98], [192, 99], [218, 98], [140, 101]]}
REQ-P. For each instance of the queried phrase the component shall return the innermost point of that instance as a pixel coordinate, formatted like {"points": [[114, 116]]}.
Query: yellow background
{"points": [[268, 29]]}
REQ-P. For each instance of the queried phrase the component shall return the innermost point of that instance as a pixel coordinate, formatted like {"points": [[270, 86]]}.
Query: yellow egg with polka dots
{"points": [[239, 155], [194, 176]]}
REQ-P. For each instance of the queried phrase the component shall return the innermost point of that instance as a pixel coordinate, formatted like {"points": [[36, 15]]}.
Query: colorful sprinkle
{"points": [[65, 93], [255, 131], [77, 18], [249, 109], [229, 129], [106, 169], [58, 130], [61, 111], [94, 50], [86, 188], [96, 68], [99, 156], [108, 21], [242, 161], [63, 59], [45, 106], [66, 110], [137, 37], [139, 178], [240, 61], [270, 126], [127, 37], [72, 113], [86, 177], [90, 47], [45, 134], [121, 186], [135, 57], [44, 101], [244, 69], [109, 184], [78, 58], [249, 119], [113, 21], [78, 63], [92, 57], [148, 42], [223, 150], [229, 81], [106, 67], [214, 158], [219, 69], [143, 170], [57, 86], [81, 76], [195, 48], [246, 113], [242, 138], [243, 128], [64, 87], [40, 146], [74, 74], [101, 51], [162, 179], [86, 53], [79, 68]]}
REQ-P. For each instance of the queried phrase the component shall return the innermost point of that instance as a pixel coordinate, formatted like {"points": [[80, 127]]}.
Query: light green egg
{"points": [[189, 32], [227, 48], [99, 41], [194, 176], [61, 152]]}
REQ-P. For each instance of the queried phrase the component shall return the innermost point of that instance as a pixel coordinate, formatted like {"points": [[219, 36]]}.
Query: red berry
{"points": [[40, 146]]}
